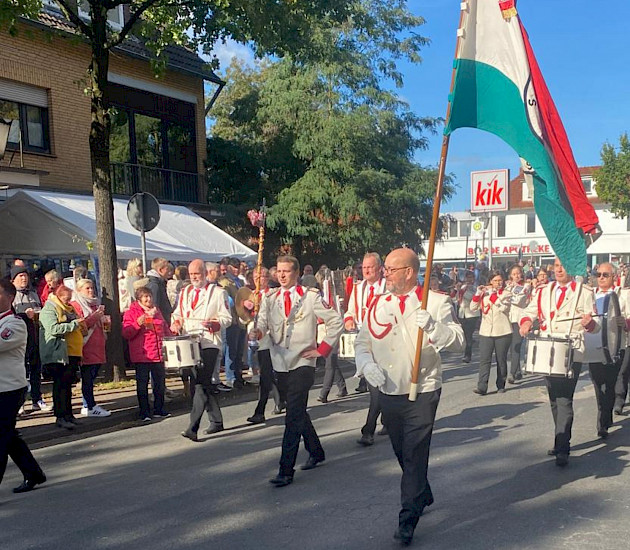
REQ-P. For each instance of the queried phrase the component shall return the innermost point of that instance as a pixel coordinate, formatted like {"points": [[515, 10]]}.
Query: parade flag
{"points": [[498, 87]]}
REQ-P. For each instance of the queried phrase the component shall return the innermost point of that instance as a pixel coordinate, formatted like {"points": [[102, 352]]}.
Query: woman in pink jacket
{"points": [[88, 307], [144, 327]]}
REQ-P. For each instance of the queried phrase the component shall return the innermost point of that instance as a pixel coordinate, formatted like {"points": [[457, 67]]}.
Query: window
{"points": [[452, 228], [28, 123], [531, 223], [526, 191], [587, 182], [500, 226], [464, 228], [115, 16]]}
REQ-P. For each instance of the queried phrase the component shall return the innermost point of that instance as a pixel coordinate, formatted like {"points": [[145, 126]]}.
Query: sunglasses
{"points": [[604, 275]]}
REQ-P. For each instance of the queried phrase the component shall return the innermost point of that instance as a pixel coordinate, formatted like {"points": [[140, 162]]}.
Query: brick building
{"points": [[158, 136]]}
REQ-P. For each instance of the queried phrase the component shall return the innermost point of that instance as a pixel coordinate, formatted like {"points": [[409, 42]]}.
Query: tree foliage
{"points": [[613, 178], [329, 143]]}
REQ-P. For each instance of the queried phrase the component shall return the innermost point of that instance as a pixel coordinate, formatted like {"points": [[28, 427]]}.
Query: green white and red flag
{"points": [[498, 87]]}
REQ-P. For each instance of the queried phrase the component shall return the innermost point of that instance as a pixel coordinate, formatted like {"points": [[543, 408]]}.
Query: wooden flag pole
{"points": [[415, 373]]}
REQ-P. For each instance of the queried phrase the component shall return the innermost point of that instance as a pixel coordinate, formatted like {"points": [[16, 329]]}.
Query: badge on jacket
{"points": [[6, 334]]}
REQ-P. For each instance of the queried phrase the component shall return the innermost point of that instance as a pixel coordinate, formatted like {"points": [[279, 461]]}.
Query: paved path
{"points": [[495, 488]]}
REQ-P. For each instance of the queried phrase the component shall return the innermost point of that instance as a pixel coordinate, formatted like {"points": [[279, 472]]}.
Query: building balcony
{"points": [[165, 185]]}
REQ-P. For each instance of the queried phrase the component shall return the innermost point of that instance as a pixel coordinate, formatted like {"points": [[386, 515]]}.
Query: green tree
{"points": [[331, 143], [613, 178], [273, 27]]}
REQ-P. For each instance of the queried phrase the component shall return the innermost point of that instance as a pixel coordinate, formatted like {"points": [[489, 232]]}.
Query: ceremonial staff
{"points": [[415, 373], [257, 218]]}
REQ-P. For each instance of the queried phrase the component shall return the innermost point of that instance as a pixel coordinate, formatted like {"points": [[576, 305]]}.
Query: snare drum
{"points": [[180, 351], [549, 355], [346, 345]]}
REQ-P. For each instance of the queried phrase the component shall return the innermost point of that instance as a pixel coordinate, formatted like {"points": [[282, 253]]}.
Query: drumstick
{"points": [[578, 318]]}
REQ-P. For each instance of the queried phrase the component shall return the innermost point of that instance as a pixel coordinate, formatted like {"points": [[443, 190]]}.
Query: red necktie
{"points": [[401, 302], [287, 302], [563, 291], [370, 296], [195, 298]]}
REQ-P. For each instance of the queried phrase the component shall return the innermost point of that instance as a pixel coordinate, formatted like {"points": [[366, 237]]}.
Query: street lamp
{"points": [[5, 128]]}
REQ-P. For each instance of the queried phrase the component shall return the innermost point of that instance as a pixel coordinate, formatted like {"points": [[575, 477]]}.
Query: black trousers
{"points": [[410, 426], [515, 352], [63, 375], [35, 377], [469, 325], [298, 423], [204, 398], [604, 378], [333, 375], [561, 390], [374, 410], [11, 444], [621, 387], [158, 377], [267, 382], [500, 346]]}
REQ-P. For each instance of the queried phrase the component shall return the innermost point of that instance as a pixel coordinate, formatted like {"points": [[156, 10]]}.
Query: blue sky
{"points": [[580, 46]]}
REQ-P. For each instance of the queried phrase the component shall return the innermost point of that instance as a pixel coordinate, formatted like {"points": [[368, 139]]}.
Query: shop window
{"points": [[464, 228], [452, 228], [587, 183], [114, 16]]}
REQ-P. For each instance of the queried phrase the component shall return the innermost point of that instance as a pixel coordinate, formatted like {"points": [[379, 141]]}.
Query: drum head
{"points": [[611, 332]]}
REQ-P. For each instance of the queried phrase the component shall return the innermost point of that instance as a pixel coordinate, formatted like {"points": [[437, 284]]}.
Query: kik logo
{"points": [[489, 194]]}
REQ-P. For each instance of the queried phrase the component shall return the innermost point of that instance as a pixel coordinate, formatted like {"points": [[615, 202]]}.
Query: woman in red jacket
{"points": [[144, 327], [88, 307]]}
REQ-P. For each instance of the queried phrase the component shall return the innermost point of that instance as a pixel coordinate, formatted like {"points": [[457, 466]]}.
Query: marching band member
{"points": [[603, 374], [203, 309], [521, 292], [289, 315], [468, 318], [556, 307], [621, 387], [362, 296], [495, 332], [385, 353], [267, 380]]}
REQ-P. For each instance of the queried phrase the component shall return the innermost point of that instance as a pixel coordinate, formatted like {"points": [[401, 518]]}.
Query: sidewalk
{"points": [[39, 427]]}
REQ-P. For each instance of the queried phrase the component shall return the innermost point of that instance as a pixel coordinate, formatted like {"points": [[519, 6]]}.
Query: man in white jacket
{"points": [[385, 351]]}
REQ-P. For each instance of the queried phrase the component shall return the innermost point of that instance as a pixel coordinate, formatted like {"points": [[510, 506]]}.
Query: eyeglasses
{"points": [[604, 275], [390, 270]]}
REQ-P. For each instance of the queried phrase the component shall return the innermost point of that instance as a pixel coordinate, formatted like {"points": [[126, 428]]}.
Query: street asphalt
{"points": [[495, 488]]}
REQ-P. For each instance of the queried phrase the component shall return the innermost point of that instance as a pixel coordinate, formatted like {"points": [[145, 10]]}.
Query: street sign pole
{"points": [[143, 244], [143, 212], [490, 240]]}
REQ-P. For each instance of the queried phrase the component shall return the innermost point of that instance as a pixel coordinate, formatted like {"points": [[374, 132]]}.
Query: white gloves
{"points": [[374, 375], [424, 320]]}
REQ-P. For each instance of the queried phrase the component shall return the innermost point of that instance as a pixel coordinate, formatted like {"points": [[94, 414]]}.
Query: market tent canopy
{"points": [[43, 223]]}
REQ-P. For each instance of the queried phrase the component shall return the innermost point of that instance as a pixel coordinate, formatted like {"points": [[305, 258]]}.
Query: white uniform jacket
{"points": [[579, 300], [12, 349], [358, 301], [495, 312], [296, 333], [388, 338], [464, 298], [624, 303], [212, 303]]}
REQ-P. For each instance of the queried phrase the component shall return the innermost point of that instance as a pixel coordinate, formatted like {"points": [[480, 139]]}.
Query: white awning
{"points": [[45, 223]]}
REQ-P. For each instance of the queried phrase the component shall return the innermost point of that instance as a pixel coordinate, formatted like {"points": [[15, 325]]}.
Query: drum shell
{"points": [[180, 351], [549, 356]]}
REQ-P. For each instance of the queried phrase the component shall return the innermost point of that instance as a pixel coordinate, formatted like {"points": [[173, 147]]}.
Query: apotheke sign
{"points": [[513, 250], [489, 190]]}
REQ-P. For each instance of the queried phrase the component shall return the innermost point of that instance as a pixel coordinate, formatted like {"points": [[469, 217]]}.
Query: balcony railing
{"points": [[168, 185]]}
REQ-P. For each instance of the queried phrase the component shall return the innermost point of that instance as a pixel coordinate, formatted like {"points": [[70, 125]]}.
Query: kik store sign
{"points": [[489, 190]]}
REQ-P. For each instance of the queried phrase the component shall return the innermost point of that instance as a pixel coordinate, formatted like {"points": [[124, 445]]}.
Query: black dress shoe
{"points": [[366, 440], [501, 390], [618, 411], [603, 434], [510, 380], [404, 534], [214, 429], [257, 419], [479, 392], [466, 360], [29, 484], [552, 452], [343, 393], [281, 481], [190, 435], [322, 399], [383, 431], [562, 459], [311, 463], [280, 408]]}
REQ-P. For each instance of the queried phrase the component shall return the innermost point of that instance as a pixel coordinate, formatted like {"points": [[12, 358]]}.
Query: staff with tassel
{"points": [[257, 219]]}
